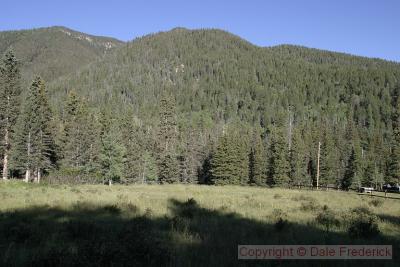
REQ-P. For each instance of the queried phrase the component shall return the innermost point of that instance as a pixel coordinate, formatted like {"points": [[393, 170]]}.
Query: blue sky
{"points": [[368, 28]]}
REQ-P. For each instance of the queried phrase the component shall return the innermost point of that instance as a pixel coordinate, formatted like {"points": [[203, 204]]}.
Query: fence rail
{"points": [[374, 193]]}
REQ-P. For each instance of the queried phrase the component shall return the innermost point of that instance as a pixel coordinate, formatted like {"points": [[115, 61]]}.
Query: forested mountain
{"points": [[207, 106], [54, 51]]}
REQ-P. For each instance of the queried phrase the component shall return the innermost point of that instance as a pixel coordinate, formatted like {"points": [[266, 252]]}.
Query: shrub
{"points": [[327, 218], [113, 209], [180, 224], [130, 207], [363, 224], [376, 202], [303, 198], [310, 205], [188, 208], [280, 220]]}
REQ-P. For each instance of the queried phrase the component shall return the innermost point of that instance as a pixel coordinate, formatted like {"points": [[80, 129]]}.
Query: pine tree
{"points": [[327, 158], [150, 171], [298, 160], [167, 125], [10, 91], [279, 168], [257, 162], [168, 169], [220, 165], [167, 159], [368, 174], [394, 160], [34, 144], [350, 171], [81, 134], [112, 155], [230, 162], [133, 140]]}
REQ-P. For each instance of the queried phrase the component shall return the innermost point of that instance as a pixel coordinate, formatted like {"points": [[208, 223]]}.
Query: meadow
{"points": [[183, 225]]}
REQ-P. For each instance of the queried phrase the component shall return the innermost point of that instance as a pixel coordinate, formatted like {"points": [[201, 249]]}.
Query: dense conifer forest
{"points": [[194, 106]]}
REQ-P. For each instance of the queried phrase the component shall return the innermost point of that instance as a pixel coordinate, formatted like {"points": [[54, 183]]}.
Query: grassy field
{"points": [[182, 225]]}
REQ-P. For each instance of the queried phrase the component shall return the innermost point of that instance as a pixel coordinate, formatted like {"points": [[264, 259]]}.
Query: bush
{"points": [[327, 218], [189, 208], [376, 202], [303, 198], [72, 176], [310, 205], [363, 224], [112, 209], [280, 220]]}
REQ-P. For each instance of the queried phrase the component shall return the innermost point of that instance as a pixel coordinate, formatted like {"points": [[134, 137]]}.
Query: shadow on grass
{"points": [[390, 218], [89, 235]]}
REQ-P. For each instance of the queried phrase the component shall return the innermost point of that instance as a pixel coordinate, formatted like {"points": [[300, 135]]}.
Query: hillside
{"points": [[213, 95], [55, 51], [218, 72]]}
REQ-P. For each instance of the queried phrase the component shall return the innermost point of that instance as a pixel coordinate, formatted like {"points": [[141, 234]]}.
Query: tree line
{"points": [[102, 144]]}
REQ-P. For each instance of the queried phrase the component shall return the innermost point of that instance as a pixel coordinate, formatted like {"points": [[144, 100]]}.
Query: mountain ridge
{"points": [[54, 51]]}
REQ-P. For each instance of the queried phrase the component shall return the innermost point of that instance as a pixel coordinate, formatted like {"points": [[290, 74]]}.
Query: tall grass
{"points": [[178, 225]]}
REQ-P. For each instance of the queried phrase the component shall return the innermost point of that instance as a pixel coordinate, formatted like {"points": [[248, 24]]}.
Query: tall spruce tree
{"points": [[150, 171], [33, 151], [327, 157], [394, 159], [278, 168], [230, 162], [133, 140], [350, 171], [257, 160], [221, 168], [368, 177], [167, 158], [10, 91], [298, 160], [112, 155], [81, 134]]}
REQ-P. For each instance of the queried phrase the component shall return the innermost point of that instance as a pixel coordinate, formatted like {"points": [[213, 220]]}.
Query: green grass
{"points": [[177, 225]]}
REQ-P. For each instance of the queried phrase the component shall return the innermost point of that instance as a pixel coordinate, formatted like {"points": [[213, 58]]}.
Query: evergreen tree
{"points": [[81, 135], [168, 169], [112, 155], [279, 168], [257, 162], [368, 176], [133, 140], [167, 159], [221, 168], [230, 163], [167, 125], [150, 171], [34, 144], [349, 174], [9, 105], [394, 160], [327, 158], [298, 160]]}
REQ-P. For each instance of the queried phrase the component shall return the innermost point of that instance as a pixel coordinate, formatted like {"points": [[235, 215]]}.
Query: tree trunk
{"points": [[290, 129], [27, 175], [28, 171], [38, 176], [5, 160], [319, 155]]}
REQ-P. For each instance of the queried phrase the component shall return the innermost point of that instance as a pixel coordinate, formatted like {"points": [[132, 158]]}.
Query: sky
{"points": [[361, 27]]}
